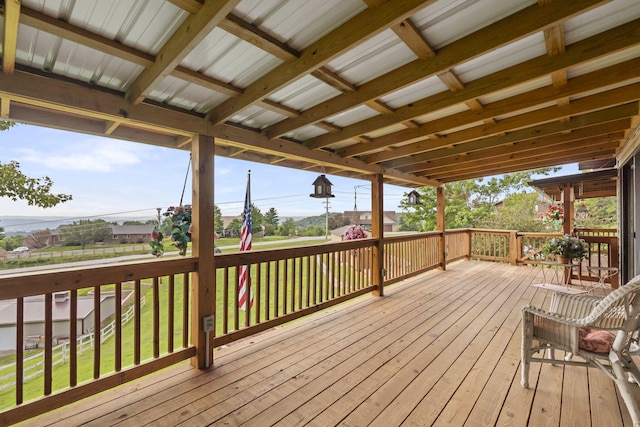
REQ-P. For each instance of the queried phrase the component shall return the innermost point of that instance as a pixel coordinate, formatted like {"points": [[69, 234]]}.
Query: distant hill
{"points": [[26, 224]]}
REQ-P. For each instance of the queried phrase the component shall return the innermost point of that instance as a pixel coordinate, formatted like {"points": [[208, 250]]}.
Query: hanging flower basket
{"points": [[176, 225], [354, 232]]}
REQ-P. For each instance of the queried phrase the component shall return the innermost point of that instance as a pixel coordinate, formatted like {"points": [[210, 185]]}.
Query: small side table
{"points": [[562, 270], [603, 274]]}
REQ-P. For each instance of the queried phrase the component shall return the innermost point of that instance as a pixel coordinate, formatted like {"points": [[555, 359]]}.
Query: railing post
{"points": [[377, 231], [442, 244], [514, 247], [203, 283]]}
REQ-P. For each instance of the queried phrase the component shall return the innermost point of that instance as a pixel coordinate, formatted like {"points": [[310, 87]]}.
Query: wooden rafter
{"points": [[195, 28], [10, 35], [621, 37], [492, 37], [353, 32]]}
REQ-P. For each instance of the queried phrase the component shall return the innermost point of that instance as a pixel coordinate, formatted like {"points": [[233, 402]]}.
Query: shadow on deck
{"points": [[440, 349]]}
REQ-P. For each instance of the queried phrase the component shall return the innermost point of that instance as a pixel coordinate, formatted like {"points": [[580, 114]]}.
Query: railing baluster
{"points": [[118, 338], [96, 332], [156, 318], [171, 294], [73, 338], [186, 297], [137, 322], [19, 350], [48, 343]]}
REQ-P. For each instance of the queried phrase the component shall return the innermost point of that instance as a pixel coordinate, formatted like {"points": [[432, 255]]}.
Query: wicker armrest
{"points": [[554, 317]]}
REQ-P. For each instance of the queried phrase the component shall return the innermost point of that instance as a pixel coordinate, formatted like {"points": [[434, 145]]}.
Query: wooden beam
{"points": [[585, 50], [443, 160], [5, 108], [358, 29], [192, 31], [581, 106], [10, 35], [494, 36], [594, 144], [534, 164]]}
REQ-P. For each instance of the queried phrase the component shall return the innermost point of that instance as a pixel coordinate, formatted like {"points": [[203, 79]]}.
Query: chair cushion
{"points": [[595, 340]]}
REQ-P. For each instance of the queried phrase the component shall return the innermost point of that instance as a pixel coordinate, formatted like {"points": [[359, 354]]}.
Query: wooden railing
{"points": [[145, 345], [286, 284], [406, 256], [526, 248]]}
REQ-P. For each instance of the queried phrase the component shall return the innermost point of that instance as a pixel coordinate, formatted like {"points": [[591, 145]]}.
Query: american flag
{"points": [[244, 282]]}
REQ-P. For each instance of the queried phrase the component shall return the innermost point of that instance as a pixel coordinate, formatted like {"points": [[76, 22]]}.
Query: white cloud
{"points": [[96, 155]]}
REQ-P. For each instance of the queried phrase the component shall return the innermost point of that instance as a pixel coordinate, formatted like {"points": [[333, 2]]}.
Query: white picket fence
{"points": [[34, 365]]}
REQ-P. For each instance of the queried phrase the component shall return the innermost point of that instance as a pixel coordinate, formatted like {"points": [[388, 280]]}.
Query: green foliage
{"points": [[603, 213], [4, 125], [35, 191], [271, 217], [218, 224], [269, 229], [235, 225], [177, 225], [568, 246], [10, 243], [314, 230], [469, 203], [257, 219], [84, 231], [287, 228], [518, 212]]}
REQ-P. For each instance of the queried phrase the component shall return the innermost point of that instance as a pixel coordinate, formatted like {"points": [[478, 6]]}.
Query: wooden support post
{"points": [[442, 244], [203, 283], [377, 231], [514, 247]]}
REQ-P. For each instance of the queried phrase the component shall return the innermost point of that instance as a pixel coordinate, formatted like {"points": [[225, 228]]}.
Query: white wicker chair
{"points": [[558, 329]]}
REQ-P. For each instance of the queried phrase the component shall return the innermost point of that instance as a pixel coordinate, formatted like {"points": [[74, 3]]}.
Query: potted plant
{"points": [[567, 247]]}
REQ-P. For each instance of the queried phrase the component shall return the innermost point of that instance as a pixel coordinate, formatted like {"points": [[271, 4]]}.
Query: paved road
{"points": [[114, 260]]}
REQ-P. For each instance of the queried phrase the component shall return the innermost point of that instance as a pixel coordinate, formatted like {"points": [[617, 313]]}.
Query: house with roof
{"points": [[363, 219], [34, 318]]}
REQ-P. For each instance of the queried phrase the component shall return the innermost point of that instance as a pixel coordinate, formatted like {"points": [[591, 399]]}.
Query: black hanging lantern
{"points": [[321, 188], [413, 198]]}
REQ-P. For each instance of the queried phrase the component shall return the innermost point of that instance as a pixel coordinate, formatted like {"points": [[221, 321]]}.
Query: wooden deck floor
{"points": [[440, 349]]}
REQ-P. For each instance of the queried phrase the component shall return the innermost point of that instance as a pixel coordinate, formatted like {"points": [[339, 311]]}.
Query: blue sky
{"points": [[109, 177], [112, 177]]}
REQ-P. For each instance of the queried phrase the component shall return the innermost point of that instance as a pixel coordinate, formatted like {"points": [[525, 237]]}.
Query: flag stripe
{"points": [[244, 282]]}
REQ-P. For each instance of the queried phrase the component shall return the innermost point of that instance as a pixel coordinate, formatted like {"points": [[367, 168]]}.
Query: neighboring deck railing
{"points": [[286, 284]]}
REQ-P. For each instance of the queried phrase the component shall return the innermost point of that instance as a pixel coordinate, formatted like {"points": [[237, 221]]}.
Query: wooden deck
{"points": [[441, 349]]}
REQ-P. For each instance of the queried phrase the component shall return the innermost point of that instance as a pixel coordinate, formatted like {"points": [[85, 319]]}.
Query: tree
{"points": [[35, 191], [518, 212], [234, 226], [10, 243], [39, 239], [84, 231], [218, 224], [469, 203], [287, 228], [271, 217], [257, 219]]}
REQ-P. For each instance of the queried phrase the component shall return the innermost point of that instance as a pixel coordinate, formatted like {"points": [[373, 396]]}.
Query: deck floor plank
{"points": [[442, 348]]}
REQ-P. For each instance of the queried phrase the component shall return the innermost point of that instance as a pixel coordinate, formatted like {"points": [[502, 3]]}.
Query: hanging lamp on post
{"points": [[322, 190], [413, 198]]}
